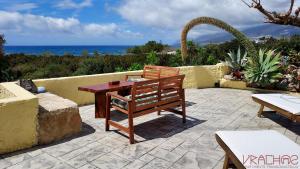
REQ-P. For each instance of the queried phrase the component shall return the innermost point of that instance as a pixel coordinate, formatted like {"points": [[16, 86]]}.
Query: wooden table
{"points": [[100, 91]]}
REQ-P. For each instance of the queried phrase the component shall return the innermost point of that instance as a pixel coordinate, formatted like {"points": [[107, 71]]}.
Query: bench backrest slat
{"points": [[151, 93], [155, 72]]}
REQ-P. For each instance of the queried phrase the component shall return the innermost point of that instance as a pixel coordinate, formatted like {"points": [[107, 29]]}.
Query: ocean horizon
{"points": [[71, 49]]}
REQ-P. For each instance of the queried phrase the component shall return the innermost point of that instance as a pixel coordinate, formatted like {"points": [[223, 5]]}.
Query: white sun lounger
{"points": [[286, 105], [272, 149]]}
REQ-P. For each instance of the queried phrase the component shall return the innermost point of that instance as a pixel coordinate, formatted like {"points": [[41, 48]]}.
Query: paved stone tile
{"points": [[157, 163], [89, 156], [163, 141], [75, 153], [219, 164], [60, 149], [136, 164], [112, 142], [88, 139], [195, 160], [35, 152], [15, 158], [4, 163], [88, 166], [180, 150], [156, 142], [110, 161], [171, 144], [147, 158], [44, 161], [164, 154], [62, 165], [132, 152]]}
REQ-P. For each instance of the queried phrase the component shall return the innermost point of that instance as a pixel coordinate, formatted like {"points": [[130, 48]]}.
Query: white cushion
{"points": [[285, 102], [260, 142]]}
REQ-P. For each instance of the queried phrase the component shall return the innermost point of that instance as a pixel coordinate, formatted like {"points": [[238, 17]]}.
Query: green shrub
{"points": [[135, 66], [147, 48], [16, 66], [175, 60], [2, 42], [119, 69], [90, 65], [5, 72], [211, 60], [152, 58], [266, 70]]}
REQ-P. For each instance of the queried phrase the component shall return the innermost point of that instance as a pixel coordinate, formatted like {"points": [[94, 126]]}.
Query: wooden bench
{"points": [[147, 97], [155, 72]]}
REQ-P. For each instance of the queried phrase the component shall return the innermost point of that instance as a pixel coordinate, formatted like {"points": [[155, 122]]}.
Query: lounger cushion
{"points": [[260, 142], [285, 102]]}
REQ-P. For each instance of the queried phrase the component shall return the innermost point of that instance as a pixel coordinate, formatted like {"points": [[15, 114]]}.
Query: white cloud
{"points": [[36, 25], [98, 29], [11, 21], [174, 14], [166, 18], [22, 7], [70, 4]]}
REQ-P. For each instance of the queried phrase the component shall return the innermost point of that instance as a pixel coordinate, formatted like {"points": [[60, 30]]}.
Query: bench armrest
{"points": [[118, 96], [126, 76]]}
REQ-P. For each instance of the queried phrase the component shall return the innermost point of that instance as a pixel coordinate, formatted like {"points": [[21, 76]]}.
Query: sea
{"points": [[62, 50]]}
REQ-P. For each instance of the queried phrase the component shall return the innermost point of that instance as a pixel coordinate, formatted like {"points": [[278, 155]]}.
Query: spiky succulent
{"points": [[265, 69], [236, 60]]}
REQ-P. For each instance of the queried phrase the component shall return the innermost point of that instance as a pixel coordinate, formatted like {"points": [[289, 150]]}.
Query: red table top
{"points": [[105, 87]]}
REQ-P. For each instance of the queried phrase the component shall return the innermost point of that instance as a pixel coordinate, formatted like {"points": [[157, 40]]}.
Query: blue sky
{"points": [[117, 22]]}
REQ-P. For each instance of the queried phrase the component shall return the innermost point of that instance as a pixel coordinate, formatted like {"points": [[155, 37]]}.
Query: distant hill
{"points": [[252, 32]]}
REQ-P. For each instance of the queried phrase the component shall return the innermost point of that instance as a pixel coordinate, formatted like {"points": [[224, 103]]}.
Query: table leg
{"points": [[100, 104]]}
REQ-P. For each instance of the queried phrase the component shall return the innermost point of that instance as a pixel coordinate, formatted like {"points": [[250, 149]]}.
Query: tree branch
{"points": [[286, 18], [291, 9]]}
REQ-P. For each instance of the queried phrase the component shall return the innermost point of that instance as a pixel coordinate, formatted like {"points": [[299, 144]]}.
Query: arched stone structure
{"points": [[220, 24]]}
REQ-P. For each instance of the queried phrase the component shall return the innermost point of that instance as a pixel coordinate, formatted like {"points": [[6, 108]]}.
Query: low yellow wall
{"points": [[67, 87], [233, 84], [18, 118]]}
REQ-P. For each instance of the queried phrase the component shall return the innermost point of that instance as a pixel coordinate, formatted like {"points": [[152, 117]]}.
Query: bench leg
{"points": [[226, 162], [131, 128], [183, 109], [261, 109], [183, 113], [158, 112], [107, 118]]}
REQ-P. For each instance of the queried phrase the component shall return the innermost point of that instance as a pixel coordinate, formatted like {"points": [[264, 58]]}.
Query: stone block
{"points": [[58, 118]]}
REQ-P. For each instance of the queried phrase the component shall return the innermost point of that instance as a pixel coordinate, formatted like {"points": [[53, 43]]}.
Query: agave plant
{"points": [[264, 70], [236, 61]]}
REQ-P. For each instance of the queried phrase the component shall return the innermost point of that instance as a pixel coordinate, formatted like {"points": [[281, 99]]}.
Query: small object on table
{"points": [[114, 82], [41, 89]]}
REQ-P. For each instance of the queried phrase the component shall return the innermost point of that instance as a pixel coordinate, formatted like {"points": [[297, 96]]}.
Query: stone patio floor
{"points": [[163, 141]]}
